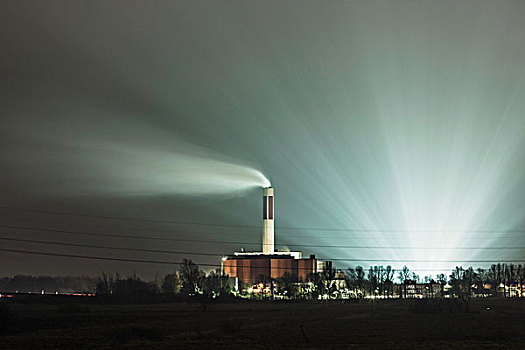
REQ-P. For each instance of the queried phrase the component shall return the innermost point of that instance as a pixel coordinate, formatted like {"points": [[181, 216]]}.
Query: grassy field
{"points": [[433, 324]]}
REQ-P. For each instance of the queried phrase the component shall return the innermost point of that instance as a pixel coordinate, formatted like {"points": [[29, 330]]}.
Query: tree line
{"points": [[48, 284], [505, 280], [188, 280]]}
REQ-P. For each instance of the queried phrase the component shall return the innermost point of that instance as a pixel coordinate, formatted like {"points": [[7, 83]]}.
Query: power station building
{"points": [[253, 267]]}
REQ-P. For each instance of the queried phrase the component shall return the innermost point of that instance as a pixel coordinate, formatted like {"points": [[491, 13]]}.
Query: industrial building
{"points": [[253, 267]]}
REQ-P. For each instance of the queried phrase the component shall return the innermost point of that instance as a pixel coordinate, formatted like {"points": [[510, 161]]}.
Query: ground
{"points": [[433, 324]]}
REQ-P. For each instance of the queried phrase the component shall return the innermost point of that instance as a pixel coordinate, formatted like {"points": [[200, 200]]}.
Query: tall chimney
{"points": [[268, 221]]}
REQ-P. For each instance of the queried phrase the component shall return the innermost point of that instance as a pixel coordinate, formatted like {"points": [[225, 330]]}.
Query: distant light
{"points": [[224, 258]]}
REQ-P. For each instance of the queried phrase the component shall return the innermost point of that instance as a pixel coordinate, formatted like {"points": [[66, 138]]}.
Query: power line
{"points": [[96, 257], [196, 253], [106, 247], [334, 229], [98, 234], [90, 257], [120, 218], [218, 254]]}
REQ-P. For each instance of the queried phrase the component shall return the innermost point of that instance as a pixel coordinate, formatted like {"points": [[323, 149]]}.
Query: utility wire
{"points": [[107, 247], [218, 254], [107, 217], [98, 234], [120, 218], [97, 257], [165, 262]]}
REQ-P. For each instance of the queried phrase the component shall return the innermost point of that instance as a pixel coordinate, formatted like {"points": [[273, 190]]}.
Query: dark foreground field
{"points": [[434, 324]]}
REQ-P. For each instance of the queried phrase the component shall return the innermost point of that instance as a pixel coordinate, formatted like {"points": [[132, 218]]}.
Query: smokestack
{"points": [[268, 223]]}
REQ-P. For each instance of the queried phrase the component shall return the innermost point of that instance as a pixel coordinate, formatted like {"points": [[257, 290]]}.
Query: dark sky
{"points": [[390, 124]]}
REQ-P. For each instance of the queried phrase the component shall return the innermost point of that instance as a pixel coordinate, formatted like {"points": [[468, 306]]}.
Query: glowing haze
{"points": [[394, 127]]}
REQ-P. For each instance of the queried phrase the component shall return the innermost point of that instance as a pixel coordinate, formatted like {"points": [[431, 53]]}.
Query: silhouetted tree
{"points": [[105, 284], [456, 281], [520, 278], [360, 278], [505, 277], [469, 279], [388, 280], [171, 284], [415, 277], [355, 280], [319, 287], [328, 276], [287, 285], [512, 278], [442, 279], [212, 284], [373, 279], [190, 276], [404, 276], [493, 275]]}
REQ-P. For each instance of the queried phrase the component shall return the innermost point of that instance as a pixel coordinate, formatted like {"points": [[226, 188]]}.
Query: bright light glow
{"points": [[406, 127]]}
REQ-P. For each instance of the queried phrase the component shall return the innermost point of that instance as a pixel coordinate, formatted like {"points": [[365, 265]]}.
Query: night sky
{"points": [[394, 127]]}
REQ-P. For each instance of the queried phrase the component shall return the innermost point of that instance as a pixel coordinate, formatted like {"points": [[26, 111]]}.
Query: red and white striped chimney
{"points": [[268, 221]]}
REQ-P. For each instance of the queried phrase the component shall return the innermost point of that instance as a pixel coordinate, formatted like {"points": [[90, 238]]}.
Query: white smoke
{"points": [[119, 157], [137, 171]]}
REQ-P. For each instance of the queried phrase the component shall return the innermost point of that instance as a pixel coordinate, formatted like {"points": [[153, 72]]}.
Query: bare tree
{"points": [[442, 279], [360, 278], [190, 276], [494, 279], [373, 279], [171, 284], [389, 280], [512, 277], [105, 284], [456, 280], [319, 287], [287, 285], [404, 276], [520, 277]]}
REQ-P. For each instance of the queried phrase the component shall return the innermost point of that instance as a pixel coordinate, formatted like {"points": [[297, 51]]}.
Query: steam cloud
{"points": [[123, 158]]}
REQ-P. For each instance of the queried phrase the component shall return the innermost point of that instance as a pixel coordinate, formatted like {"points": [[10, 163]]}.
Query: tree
{"points": [[442, 279], [191, 277], [360, 278], [512, 277], [355, 279], [520, 274], [287, 286], [469, 278], [212, 284], [456, 281], [105, 284], [504, 276], [481, 279], [415, 277], [388, 280], [493, 276], [319, 287], [351, 278], [404, 276], [430, 281], [373, 279], [133, 288], [328, 277], [171, 284]]}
